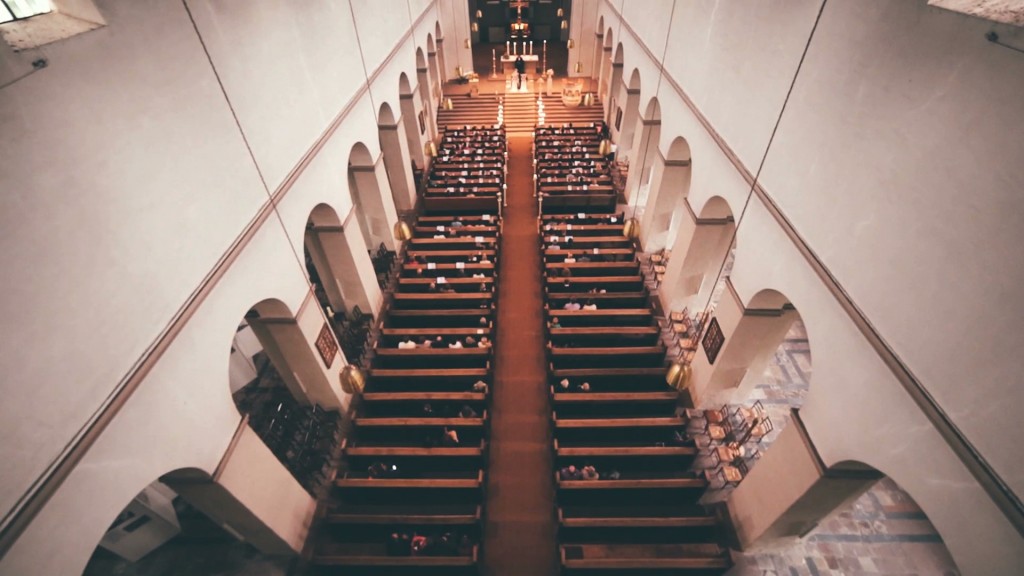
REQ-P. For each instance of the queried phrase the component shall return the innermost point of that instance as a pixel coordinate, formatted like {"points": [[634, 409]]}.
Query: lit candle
{"points": [[506, 47], [531, 46]]}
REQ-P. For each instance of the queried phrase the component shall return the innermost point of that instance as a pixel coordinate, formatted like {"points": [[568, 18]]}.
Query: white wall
{"points": [[896, 161], [126, 179]]}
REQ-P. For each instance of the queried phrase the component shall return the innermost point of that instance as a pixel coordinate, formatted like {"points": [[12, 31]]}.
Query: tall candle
{"points": [[531, 46], [506, 47]]}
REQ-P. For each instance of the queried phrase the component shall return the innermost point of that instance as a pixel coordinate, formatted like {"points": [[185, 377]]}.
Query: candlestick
{"points": [[506, 47], [531, 47]]}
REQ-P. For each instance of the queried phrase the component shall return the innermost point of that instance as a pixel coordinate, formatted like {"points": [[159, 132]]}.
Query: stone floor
{"points": [[882, 532]]}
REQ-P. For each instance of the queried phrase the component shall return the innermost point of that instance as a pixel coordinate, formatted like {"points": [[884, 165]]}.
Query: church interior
{"points": [[523, 287]]}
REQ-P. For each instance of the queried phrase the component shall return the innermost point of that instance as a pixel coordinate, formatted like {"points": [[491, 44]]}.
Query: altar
{"points": [[508, 62]]}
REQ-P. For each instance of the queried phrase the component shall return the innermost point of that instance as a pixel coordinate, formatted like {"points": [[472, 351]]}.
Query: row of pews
{"points": [[409, 496], [571, 173], [467, 175], [627, 497]]}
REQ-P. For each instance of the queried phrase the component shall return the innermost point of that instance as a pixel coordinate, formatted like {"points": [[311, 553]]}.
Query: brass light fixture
{"points": [[678, 375], [475, 27], [479, 13], [466, 41], [588, 99], [570, 44], [430, 149], [605, 148], [565, 24], [631, 228], [560, 13], [352, 379], [402, 231], [448, 104], [579, 67]]}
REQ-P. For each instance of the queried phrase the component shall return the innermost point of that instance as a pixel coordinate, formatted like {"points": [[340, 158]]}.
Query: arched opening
{"points": [[441, 60], [343, 278], [606, 67], [426, 95], [614, 85], [647, 159], [701, 257], [854, 519], [376, 216], [293, 402], [396, 153], [752, 333], [435, 74], [413, 124], [161, 532], [626, 125], [598, 55], [663, 206]]}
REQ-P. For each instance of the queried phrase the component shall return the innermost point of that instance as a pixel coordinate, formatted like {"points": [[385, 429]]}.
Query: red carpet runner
{"points": [[520, 532]]}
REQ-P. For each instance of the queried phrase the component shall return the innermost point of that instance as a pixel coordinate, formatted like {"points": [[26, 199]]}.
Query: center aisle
{"points": [[520, 532]]}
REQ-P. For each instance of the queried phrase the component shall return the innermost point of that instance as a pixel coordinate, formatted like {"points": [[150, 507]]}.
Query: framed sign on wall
{"points": [[327, 345], [423, 125], [618, 119], [713, 340]]}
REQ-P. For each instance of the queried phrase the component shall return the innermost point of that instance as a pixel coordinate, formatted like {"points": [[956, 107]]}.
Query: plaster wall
{"points": [[908, 277], [128, 179]]}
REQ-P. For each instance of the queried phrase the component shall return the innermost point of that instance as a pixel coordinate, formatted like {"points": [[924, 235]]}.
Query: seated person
{"points": [[484, 342], [590, 473], [470, 342], [563, 386], [467, 412], [584, 387], [450, 437], [572, 304], [480, 386], [590, 305], [555, 323], [570, 473], [456, 344]]}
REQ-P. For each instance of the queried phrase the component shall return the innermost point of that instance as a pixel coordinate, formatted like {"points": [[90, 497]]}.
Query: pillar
{"points": [[752, 335], [645, 158], [411, 124], [789, 491], [298, 363], [426, 90], [630, 119], [701, 246], [375, 204], [349, 267], [396, 150], [613, 87], [251, 495], [669, 188]]}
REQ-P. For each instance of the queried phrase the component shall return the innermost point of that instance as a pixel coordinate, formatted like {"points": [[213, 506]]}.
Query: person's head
{"points": [[564, 383]]}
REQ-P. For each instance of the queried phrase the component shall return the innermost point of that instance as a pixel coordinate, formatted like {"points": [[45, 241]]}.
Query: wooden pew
{"points": [[563, 398], [456, 482], [378, 375], [414, 358], [592, 268], [609, 283], [623, 451], [614, 356], [702, 558], [608, 300], [407, 515], [603, 318], [359, 555], [604, 423], [465, 317], [434, 301], [413, 451], [631, 517], [365, 422]]}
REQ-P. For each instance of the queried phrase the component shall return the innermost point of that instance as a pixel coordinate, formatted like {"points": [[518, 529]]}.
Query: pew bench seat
{"points": [[376, 555], [700, 558], [451, 515]]}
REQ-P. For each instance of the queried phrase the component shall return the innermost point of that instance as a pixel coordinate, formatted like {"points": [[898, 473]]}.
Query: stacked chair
{"points": [[627, 497]]}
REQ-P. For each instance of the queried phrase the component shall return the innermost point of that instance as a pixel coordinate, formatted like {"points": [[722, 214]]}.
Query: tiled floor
{"points": [[882, 532]]}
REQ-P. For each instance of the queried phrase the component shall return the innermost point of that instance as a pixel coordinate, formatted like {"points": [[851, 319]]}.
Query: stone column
{"points": [[702, 245], [790, 491], [751, 337], [396, 155], [375, 204]]}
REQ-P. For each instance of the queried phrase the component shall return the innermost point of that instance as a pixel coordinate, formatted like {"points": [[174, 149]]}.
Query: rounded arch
{"points": [[647, 161], [614, 86], [332, 262], [411, 122], [634, 79], [441, 60], [435, 73], [396, 159], [630, 117], [425, 93], [606, 66], [374, 215]]}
